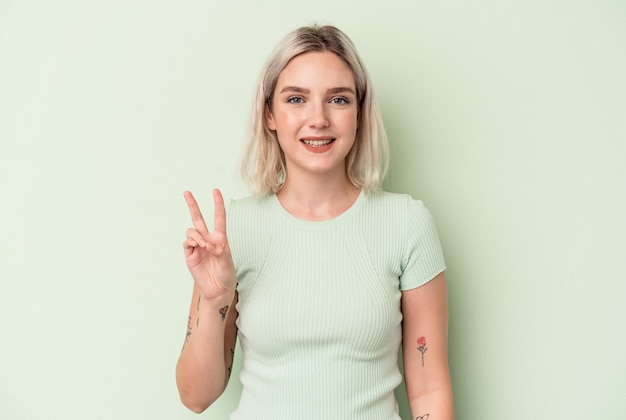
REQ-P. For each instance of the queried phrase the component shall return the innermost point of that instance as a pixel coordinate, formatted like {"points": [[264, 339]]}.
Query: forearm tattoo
{"points": [[198, 307], [188, 332], [424, 417], [223, 312], [188, 329]]}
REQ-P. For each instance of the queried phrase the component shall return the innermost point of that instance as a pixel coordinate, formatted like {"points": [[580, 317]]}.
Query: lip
{"points": [[318, 144], [317, 138]]}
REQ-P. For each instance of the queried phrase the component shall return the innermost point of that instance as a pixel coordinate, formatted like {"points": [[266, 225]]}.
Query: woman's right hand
{"points": [[207, 254]]}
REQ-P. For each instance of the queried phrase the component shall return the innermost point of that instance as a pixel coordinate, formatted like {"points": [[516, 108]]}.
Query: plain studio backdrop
{"points": [[508, 119]]}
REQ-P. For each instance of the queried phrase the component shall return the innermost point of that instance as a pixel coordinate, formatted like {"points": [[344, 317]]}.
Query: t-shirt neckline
{"points": [[320, 224]]}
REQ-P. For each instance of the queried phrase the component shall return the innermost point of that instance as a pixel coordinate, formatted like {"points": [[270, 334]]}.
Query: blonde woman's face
{"points": [[314, 113]]}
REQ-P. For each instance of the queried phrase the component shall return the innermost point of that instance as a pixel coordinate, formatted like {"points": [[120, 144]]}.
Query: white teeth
{"points": [[317, 143]]}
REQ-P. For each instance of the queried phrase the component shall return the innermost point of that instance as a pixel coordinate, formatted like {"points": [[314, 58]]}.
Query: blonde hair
{"points": [[263, 165]]}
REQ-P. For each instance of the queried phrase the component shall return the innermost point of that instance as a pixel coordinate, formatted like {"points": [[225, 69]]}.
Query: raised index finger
{"points": [[196, 215], [219, 222]]}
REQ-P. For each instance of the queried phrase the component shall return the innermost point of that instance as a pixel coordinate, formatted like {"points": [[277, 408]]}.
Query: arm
{"points": [[425, 350], [204, 364]]}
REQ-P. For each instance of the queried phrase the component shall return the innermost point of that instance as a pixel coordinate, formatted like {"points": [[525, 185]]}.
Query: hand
{"points": [[207, 254]]}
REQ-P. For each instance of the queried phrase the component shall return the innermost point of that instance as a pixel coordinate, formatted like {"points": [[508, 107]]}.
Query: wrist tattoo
{"points": [[223, 312], [424, 417]]}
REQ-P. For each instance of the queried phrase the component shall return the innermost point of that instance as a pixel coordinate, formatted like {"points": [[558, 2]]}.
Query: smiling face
{"points": [[314, 114]]}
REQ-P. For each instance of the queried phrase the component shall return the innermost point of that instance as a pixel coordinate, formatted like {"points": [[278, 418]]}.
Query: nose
{"points": [[319, 117]]}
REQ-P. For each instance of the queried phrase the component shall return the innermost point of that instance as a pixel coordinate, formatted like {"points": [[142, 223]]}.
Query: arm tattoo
{"points": [[189, 324], [188, 332], [198, 306], [223, 312], [188, 329], [421, 346], [424, 417]]}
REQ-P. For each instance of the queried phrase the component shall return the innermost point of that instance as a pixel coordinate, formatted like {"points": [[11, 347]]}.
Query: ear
{"points": [[269, 120]]}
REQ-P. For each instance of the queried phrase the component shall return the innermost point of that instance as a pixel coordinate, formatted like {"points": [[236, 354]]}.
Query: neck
{"points": [[317, 198]]}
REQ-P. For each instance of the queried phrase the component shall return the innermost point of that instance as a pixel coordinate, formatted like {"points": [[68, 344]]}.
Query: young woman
{"points": [[321, 275]]}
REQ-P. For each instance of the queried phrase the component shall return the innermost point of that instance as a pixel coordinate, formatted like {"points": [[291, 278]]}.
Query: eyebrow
{"points": [[334, 90]]}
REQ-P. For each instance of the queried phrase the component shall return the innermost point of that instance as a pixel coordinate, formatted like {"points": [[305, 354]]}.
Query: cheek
{"points": [[286, 120], [350, 122]]}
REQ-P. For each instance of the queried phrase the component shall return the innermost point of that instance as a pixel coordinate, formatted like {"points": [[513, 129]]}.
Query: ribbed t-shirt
{"points": [[319, 304]]}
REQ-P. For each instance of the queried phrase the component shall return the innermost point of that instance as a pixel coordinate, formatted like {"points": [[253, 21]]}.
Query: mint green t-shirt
{"points": [[319, 304]]}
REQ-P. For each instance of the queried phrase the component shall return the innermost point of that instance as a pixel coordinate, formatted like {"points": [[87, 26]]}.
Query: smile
{"points": [[317, 143]]}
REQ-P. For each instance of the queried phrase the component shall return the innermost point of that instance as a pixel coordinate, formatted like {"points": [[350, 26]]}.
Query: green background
{"points": [[508, 119]]}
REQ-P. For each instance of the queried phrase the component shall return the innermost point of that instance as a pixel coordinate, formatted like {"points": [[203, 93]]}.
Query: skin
{"points": [[315, 99], [425, 314], [203, 368], [315, 116]]}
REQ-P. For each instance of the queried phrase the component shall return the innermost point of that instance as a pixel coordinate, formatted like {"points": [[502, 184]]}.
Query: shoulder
{"points": [[252, 201], [401, 216], [249, 214], [401, 206], [249, 224], [421, 256], [249, 208]]}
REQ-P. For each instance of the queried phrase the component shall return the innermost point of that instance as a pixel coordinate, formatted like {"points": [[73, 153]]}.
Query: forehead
{"points": [[313, 69]]}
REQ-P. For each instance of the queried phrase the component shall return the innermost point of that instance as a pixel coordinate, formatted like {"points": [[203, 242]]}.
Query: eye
{"points": [[295, 100], [340, 100]]}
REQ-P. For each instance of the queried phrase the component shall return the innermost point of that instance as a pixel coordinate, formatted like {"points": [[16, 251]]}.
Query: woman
{"points": [[322, 276]]}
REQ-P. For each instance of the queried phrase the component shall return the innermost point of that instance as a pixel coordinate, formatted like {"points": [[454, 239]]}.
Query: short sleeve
{"points": [[423, 257]]}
